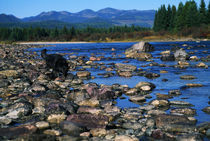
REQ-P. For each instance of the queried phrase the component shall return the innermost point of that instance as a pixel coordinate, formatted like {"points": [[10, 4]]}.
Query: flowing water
{"points": [[199, 96]]}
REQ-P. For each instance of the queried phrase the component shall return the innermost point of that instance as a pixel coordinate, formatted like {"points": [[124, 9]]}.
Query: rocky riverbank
{"points": [[33, 107]]}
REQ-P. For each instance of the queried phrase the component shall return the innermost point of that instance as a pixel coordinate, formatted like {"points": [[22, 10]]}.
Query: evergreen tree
{"points": [[179, 18], [202, 13], [208, 13], [168, 17], [173, 16]]}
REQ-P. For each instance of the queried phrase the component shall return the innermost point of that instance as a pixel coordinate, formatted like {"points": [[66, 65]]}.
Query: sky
{"points": [[26, 8]]}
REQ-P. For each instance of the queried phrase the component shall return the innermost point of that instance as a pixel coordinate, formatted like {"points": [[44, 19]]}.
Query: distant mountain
{"points": [[107, 16], [8, 19]]}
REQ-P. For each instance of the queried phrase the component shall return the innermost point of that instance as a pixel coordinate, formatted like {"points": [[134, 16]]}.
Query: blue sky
{"points": [[25, 8]]}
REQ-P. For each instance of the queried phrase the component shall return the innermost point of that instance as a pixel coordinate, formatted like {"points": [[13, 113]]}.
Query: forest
{"points": [[187, 19]]}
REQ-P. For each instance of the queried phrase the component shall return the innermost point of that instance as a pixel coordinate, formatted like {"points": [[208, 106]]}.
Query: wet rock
{"points": [[152, 75], [132, 125], [5, 120], [56, 118], [98, 132], [145, 86], [156, 112], [187, 77], [206, 109], [10, 73], [125, 67], [189, 137], [52, 132], [125, 74], [174, 92], [125, 138], [38, 88], [160, 103], [167, 57], [71, 128], [194, 85], [163, 96], [180, 104], [132, 91], [90, 110], [4, 83], [203, 127], [137, 98], [174, 123], [89, 120], [83, 74], [42, 125], [14, 132], [202, 65], [89, 102], [184, 111], [194, 58], [100, 93], [183, 63], [181, 55], [141, 47]]}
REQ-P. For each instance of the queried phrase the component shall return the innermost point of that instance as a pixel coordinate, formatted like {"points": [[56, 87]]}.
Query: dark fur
{"points": [[55, 62]]}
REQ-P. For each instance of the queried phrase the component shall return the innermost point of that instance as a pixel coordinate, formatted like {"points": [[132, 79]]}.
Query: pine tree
{"points": [[168, 17], [180, 18], [202, 13], [173, 16], [208, 14]]}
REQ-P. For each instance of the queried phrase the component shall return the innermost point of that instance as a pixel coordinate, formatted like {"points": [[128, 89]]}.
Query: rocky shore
{"points": [[34, 107]]}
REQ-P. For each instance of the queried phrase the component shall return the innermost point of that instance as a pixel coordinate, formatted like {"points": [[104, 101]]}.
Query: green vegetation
{"points": [[73, 34], [187, 19]]}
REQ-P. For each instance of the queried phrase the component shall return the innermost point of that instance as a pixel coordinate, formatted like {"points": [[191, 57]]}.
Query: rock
{"points": [[203, 127], [151, 75], [194, 58], [5, 120], [42, 125], [142, 47], [137, 98], [145, 86], [89, 102], [184, 111], [100, 93], [163, 96], [208, 133], [187, 77], [194, 85], [167, 57], [180, 104], [181, 55], [132, 91], [132, 125], [160, 103], [98, 132], [38, 88], [125, 138], [84, 74], [92, 58], [90, 110], [174, 92], [10, 73], [155, 112], [89, 120], [206, 109], [189, 137], [174, 123], [142, 56], [71, 128], [14, 132], [4, 83], [125, 74], [52, 132], [202, 65], [125, 67], [183, 63], [56, 118]]}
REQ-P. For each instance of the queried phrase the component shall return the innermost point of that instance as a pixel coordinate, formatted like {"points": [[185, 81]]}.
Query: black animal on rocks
{"points": [[55, 62]]}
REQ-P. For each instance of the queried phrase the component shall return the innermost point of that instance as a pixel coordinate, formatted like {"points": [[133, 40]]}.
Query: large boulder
{"points": [[138, 51], [142, 47], [181, 55]]}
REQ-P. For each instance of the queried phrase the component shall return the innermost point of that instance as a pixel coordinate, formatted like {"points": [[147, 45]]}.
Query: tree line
{"points": [[186, 16], [72, 33]]}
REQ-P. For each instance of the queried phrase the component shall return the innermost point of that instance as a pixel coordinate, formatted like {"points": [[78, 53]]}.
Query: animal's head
{"points": [[44, 53]]}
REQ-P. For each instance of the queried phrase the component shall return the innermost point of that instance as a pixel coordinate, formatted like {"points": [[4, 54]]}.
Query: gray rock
{"points": [[206, 109], [71, 128], [142, 47], [125, 67], [181, 55]]}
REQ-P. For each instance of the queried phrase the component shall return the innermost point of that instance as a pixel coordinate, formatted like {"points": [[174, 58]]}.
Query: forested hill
{"points": [[102, 18]]}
